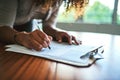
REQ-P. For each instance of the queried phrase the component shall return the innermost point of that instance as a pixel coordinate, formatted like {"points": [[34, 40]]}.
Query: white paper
{"points": [[60, 52]]}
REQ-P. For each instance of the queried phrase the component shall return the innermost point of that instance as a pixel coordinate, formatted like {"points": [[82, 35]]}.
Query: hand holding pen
{"points": [[33, 40], [49, 36], [41, 39]]}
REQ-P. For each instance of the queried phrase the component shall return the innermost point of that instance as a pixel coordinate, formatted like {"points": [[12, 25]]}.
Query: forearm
{"points": [[7, 34], [49, 24], [49, 30]]}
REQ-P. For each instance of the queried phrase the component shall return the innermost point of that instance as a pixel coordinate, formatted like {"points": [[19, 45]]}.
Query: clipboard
{"points": [[75, 55]]}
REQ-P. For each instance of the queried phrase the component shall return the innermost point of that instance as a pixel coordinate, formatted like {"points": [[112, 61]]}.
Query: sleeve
{"points": [[52, 15], [8, 9]]}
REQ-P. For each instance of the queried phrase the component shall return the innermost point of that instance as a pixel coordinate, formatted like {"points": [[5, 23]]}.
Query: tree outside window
{"points": [[98, 11]]}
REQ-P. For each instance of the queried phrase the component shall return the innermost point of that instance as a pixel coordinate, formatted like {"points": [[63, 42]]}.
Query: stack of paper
{"points": [[60, 52]]}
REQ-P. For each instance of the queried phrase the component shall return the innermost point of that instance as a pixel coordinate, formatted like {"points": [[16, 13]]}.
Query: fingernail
{"points": [[59, 40]]}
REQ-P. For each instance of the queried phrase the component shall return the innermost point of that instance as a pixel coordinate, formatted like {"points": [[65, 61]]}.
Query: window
{"points": [[100, 16], [118, 19], [97, 11]]}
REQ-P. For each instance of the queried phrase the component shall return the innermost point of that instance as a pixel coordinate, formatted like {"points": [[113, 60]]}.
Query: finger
{"points": [[35, 45], [47, 43], [76, 41], [45, 38], [69, 38], [50, 38], [40, 40], [35, 35], [59, 38], [43, 35]]}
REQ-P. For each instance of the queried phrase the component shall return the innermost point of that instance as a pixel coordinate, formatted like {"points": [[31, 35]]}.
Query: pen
{"points": [[49, 47], [39, 29]]}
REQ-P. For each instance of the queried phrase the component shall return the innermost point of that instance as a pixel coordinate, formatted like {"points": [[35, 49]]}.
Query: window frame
{"points": [[112, 28]]}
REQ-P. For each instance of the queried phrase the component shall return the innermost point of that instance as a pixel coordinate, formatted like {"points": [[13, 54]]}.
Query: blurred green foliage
{"points": [[97, 13], [66, 17], [118, 19]]}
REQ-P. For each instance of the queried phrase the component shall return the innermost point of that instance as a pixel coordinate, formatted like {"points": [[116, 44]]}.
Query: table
{"points": [[14, 66]]}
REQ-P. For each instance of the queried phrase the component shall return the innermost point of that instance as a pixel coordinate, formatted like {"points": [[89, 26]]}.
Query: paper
{"points": [[61, 52]]}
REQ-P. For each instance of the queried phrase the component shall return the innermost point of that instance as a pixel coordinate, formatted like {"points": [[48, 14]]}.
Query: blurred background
{"points": [[97, 11], [100, 16]]}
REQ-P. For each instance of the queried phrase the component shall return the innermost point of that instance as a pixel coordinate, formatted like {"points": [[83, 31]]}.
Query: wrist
{"points": [[16, 37]]}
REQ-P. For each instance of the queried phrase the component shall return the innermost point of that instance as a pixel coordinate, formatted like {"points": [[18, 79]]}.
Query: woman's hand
{"points": [[34, 40], [62, 36]]}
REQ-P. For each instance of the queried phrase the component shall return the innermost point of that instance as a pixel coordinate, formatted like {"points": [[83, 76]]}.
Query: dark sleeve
{"points": [[8, 9]]}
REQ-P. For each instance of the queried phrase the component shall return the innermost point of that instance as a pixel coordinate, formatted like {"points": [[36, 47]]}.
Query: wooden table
{"points": [[14, 66]]}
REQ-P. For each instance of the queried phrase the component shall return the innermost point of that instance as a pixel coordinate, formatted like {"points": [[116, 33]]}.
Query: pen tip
{"points": [[49, 47]]}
